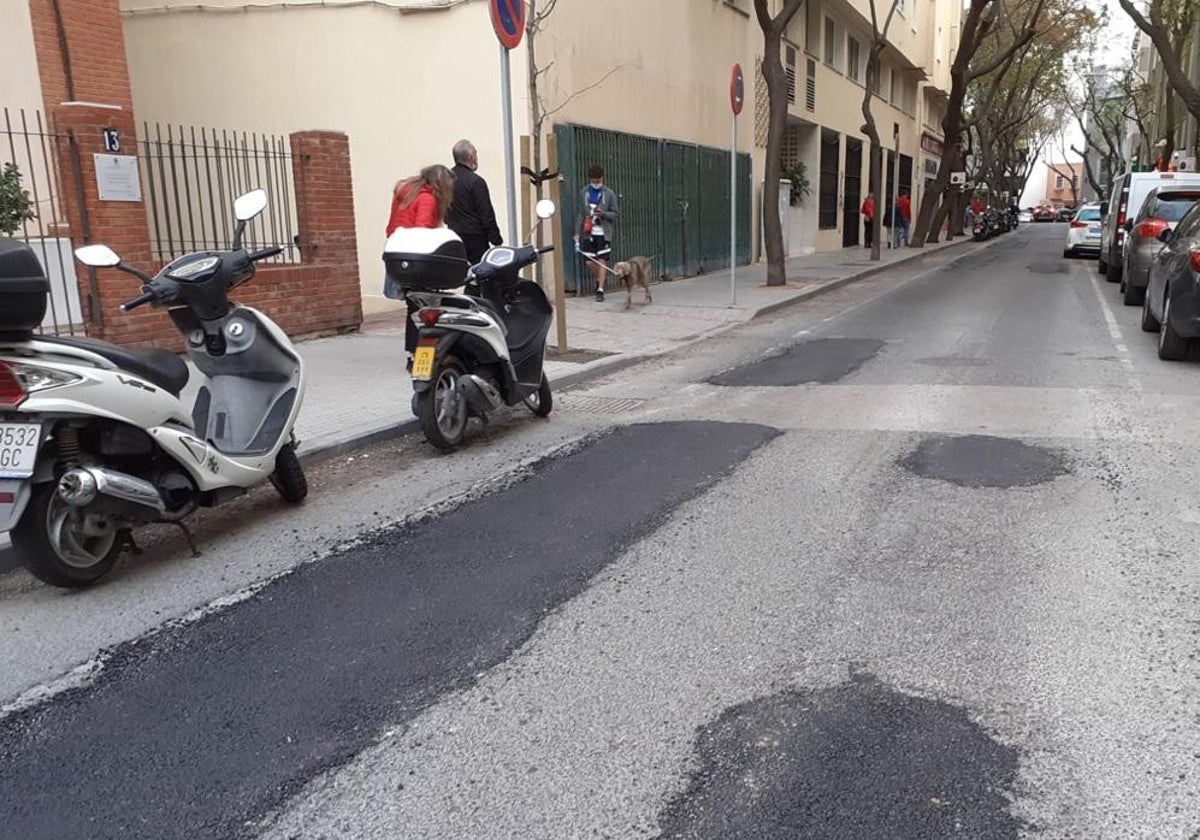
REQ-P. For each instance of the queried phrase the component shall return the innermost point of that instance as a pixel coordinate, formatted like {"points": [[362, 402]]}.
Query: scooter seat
{"points": [[160, 367]]}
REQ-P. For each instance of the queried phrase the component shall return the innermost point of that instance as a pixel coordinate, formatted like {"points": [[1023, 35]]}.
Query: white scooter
{"points": [[95, 439], [474, 354]]}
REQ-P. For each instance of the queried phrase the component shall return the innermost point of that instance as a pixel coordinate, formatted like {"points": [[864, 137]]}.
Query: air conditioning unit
{"points": [[1186, 164]]}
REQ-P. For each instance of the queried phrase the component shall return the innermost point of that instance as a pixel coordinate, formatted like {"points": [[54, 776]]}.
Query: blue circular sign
{"points": [[508, 19]]}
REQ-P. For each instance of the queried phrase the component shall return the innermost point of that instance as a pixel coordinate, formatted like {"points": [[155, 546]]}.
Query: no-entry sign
{"points": [[737, 89], [508, 19]]}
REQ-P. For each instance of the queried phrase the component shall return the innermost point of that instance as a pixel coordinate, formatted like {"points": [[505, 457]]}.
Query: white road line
{"points": [[1114, 331]]}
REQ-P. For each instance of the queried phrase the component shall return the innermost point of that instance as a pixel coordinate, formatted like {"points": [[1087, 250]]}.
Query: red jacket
{"points": [[868, 209], [905, 208], [422, 213]]}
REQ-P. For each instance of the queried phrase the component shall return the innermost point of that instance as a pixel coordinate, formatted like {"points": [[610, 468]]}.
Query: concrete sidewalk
{"points": [[359, 391]]}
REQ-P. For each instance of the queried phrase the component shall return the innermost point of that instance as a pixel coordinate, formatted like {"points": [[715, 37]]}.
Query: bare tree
{"points": [[1168, 23], [981, 19], [879, 43], [777, 98]]}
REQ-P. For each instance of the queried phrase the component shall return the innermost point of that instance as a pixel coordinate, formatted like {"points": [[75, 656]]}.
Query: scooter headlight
{"points": [[38, 378]]}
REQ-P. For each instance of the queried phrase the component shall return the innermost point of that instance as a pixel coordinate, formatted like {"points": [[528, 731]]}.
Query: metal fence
{"points": [[192, 175], [673, 196], [31, 208]]}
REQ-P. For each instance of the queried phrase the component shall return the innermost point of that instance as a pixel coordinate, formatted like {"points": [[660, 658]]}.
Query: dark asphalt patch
{"points": [[1049, 268], [860, 760], [824, 360], [198, 731], [984, 461]]}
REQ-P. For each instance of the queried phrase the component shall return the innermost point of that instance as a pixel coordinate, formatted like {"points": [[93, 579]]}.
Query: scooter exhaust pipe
{"points": [[479, 393], [81, 486]]}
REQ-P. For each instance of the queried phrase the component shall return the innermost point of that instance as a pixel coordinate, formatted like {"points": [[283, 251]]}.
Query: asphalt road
{"points": [[916, 560]]}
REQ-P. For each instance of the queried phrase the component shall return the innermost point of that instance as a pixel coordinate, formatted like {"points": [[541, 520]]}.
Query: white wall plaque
{"points": [[117, 177]]}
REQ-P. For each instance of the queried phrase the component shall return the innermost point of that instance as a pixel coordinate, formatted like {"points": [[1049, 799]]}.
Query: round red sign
{"points": [[508, 19], [737, 89]]}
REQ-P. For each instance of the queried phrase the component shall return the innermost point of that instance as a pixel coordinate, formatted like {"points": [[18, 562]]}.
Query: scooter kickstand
{"points": [[187, 535], [128, 543]]}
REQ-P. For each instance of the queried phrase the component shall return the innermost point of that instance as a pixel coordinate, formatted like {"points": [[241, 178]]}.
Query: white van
{"points": [[1126, 197]]}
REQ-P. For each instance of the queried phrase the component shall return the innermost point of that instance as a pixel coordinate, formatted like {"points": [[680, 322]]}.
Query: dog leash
{"points": [[599, 263]]}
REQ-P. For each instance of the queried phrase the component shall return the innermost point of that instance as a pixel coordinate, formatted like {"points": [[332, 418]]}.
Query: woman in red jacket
{"points": [[423, 200]]}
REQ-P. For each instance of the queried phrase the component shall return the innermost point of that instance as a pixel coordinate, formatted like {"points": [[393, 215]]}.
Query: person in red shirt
{"points": [[904, 211], [421, 201], [868, 214]]}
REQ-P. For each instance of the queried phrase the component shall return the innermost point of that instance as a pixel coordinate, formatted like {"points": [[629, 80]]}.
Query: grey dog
{"points": [[636, 272]]}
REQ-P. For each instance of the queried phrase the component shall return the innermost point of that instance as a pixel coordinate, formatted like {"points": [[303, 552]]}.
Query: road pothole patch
{"points": [[985, 461], [824, 360], [1049, 268], [857, 760]]}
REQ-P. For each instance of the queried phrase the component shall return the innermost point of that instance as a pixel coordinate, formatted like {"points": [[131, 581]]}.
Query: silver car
{"points": [[1162, 208]]}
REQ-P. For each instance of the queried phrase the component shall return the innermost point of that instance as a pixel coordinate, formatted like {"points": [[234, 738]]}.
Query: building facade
{"points": [[405, 79]]}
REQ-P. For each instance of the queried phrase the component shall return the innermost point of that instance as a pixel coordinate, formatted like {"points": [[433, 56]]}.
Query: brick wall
{"points": [[319, 295], [96, 45]]}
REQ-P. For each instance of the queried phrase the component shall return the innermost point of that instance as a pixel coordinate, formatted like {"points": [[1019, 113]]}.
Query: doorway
{"points": [[852, 193]]}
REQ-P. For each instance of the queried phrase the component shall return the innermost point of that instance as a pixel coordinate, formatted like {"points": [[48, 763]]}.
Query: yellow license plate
{"points": [[423, 363]]}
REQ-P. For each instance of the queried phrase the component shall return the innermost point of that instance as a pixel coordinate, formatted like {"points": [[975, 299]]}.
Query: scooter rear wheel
{"points": [[541, 401], [59, 548], [442, 409], [288, 478]]}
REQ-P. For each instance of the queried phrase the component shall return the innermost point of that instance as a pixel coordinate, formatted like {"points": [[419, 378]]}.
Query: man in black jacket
{"points": [[471, 214]]}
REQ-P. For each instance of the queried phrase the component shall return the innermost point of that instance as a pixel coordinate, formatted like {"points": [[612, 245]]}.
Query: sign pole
{"points": [[733, 216], [508, 21], [510, 183], [737, 95]]}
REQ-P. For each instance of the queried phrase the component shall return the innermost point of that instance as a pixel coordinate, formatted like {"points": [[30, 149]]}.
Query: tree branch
{"points": [[549, 112]]}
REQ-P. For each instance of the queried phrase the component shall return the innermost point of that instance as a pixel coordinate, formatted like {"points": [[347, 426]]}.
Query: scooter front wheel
{"points": [[288, 478], [541, 401], [442, 409], [61, 546]]}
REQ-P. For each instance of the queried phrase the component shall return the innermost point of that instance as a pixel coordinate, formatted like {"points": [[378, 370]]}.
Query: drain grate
{"points": [[596, 405]]}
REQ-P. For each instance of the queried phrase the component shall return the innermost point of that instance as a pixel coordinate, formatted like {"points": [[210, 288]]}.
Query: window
{"points": [[789, 69], [830, 42], [1059, 182], [900, 7], [1189, 225], [877, 84], [812, 27], [827, 210], [853, 62], [1172, 206], [895, 91]]}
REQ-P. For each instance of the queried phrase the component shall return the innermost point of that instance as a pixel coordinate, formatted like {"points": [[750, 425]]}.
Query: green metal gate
{"points": [[673, 196]]}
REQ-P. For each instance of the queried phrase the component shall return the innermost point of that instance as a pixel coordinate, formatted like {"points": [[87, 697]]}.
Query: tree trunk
{"points": [[876, 160], [776, 79]]}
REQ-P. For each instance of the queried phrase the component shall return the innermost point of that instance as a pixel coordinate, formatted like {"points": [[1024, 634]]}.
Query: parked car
{"points": [[1163, 207], [1025, 216], [1127, 194], [1044, 213], [1083, 232], [1171, 306], [1066, 214]]}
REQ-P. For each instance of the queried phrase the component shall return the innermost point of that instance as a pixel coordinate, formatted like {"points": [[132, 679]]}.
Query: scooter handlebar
{"points": [[546, 250], [265, 253], [133, 303]]}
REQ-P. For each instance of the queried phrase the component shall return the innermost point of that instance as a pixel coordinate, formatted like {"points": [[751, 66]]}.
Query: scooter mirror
{"points": [[247, 206], [545, 209], [97, 256]]}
